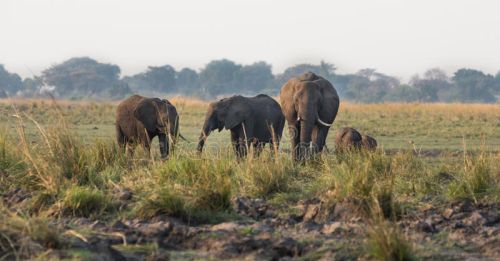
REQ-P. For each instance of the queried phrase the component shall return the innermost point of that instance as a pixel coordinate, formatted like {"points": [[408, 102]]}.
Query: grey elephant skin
{"points": [[252, 121], [140, 119], [310, 104], [347, 139], [368, 142]]}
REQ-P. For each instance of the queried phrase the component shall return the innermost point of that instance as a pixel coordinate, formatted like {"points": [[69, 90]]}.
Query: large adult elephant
{"points": [[310, 104], [140, 119], [252, 121]]}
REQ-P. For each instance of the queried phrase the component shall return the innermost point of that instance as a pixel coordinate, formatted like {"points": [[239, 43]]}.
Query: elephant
{"points": [[252, 121], [347, 139], [140, 119], [368, 142], [310, 104]]}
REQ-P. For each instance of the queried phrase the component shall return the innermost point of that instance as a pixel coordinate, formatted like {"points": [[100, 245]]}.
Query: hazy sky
{"points": [[397, 37]]}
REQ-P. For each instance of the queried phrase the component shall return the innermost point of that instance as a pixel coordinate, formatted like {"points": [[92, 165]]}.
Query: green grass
{"points": [[72, 169]]}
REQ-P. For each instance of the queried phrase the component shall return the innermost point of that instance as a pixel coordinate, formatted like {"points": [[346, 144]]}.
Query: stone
{"points": [[157, 229], [332, 228], [229, 226], [447, 213], [311, 211], [425, 226]]}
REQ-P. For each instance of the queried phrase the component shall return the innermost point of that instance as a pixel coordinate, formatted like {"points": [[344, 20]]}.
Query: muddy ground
{"points": [[306, 231]]}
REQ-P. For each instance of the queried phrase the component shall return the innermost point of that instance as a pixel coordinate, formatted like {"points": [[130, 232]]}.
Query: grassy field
{"points": [[67, 192], [395, 126]]}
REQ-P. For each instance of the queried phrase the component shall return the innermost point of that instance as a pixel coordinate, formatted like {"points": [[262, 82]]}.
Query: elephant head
{"points": [[226, 113], [160, 117]]}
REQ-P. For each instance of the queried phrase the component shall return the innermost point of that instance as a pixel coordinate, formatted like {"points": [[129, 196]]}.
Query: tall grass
{"points": [[478, 180], [25, 237]]}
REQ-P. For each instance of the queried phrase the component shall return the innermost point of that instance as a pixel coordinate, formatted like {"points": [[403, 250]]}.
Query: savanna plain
{"points": [[431, 190]]}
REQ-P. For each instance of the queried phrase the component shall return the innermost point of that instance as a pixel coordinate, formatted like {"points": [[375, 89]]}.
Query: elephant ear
{"points": [[237, 112], [147, 113]]}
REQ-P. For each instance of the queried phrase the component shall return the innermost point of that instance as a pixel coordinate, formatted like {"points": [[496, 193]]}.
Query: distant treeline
{"points": [[86, 78]]}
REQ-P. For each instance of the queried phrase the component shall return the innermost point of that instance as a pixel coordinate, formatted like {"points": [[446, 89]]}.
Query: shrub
{"points": [[477, 181], [84, 201], [386, 242]]}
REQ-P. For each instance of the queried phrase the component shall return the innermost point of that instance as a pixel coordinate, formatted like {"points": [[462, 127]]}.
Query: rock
{"points": [[475, 219], [118, 225], [157, 229], [331, 228], [425, 226], [287, 247], [228, 226], [107, 252], [254, 208], [311, 211], [447, 213]]}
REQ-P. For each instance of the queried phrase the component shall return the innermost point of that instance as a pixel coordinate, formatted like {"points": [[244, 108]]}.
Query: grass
{"points": [[387, 243], [65, 155]]}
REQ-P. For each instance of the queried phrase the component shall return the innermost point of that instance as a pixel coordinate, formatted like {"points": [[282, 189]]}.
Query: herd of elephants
{"points": [[309, 104]]}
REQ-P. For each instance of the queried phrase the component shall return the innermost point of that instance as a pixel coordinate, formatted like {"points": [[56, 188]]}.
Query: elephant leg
{"points": [[322, 133], [121, 139], [294, 131], [164, 146], [235, 141]]}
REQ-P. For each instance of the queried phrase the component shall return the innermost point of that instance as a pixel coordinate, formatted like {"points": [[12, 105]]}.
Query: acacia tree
{"points": [[10, 83], [83, 76]]}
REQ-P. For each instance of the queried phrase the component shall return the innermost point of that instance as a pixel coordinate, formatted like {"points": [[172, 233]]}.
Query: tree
{"points": [[161, 79], [220, 77], [473, 86], [434, 86], [188, 81], [256, 77], [367, 85], [405, 93], [10, 83], [299, 69], [82, 76]]}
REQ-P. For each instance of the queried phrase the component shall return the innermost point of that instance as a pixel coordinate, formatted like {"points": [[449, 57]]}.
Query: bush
{"points": [[84, 201], [386, 242], [477, 181]]}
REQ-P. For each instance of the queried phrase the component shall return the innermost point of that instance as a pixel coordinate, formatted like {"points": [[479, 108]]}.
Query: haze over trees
{"points": [[86, 78]]}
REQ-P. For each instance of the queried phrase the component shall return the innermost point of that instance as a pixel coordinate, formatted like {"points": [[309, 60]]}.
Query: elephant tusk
{"points": [[298, 118], [324, 123]]}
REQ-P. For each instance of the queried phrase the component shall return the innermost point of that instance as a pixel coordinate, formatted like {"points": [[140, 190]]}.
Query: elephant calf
{"points": [[368, 142], [350, 138], [252, 121], [140, 119]]}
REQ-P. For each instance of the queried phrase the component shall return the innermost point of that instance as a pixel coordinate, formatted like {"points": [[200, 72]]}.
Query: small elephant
{"points": [[348, 138], [368, 142], [252, 121], [140, 119], [310, 104]]}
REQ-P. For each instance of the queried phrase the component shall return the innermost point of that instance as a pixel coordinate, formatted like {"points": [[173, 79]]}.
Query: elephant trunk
{"points": [[306, 128], [173, 125], [204, 135]]}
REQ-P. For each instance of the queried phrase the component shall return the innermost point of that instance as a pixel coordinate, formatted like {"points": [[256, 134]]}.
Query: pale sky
{"points": [[396, 37]]}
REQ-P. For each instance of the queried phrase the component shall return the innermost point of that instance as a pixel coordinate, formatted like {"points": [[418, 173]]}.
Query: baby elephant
{"points": [[252, 121], [347, 139], [368, 142], [350, 138], [140, 119]]}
